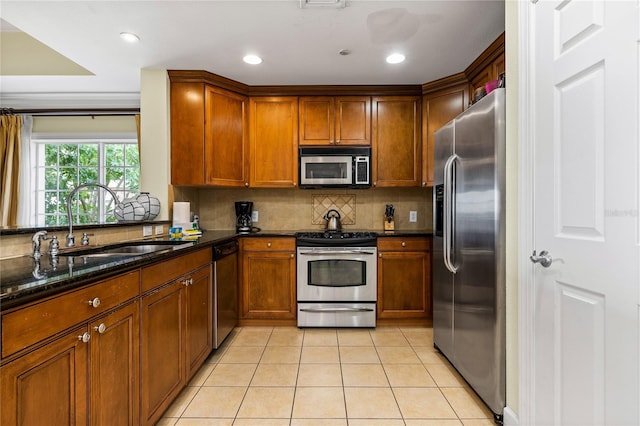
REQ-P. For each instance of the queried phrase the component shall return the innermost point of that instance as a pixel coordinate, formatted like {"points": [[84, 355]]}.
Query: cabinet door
{"points": [[404, 285], [353, 120], [438, 109], [396, 141], [47, 386], [115, 367], [163, 371], [226, 148], [274, 142], [268, 285], [317, 122], [187, 133], [199, 332]]}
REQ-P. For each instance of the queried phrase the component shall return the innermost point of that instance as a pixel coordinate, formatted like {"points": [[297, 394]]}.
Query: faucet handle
{"points": [[85, 239], [54, 246]]}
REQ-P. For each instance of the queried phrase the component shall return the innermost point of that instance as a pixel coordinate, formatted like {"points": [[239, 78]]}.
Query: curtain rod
{"points": [[61, 112]]}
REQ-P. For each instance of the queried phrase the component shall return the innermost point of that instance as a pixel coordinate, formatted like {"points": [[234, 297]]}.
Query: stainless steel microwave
{"points": [[335, 167]]}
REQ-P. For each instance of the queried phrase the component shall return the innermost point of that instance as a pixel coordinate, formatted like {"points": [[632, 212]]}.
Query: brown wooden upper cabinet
{"points": [[342, 120], [273, 139], [396, 141], [209, 142]]}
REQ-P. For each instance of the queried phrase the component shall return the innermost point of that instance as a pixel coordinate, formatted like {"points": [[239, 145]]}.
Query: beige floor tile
{"points": [[242, 355], [419, 336], [231, 375], [181, 402], [371, 403], [320, 338], [445, 375], [217, 402], [319, 375], [429, 355], [167, 421], [318, 422], [286, 337], [319, 403], [389, 337], [275, 375], [267, 403], [359, 355], [438, 422], [281, 355], [204, 422], [398, 355], [375, 422], [466, 403], [371, 375], [408, 375], [201, 375], [423, 403], [215, 356], [354, 338], [478, 422], [319, 355], [261, 422], [253, 337]]}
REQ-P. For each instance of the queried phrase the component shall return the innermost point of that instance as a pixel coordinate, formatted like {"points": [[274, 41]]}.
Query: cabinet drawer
{"points": [[403, 244], [163, 272], [275, 244], [31, 324]]}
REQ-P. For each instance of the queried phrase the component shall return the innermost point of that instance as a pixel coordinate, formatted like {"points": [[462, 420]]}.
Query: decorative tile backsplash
{"points": [[345, 205]]}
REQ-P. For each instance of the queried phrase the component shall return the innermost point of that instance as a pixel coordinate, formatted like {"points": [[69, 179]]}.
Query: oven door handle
{"points": [[335, 310], [324, 253]]}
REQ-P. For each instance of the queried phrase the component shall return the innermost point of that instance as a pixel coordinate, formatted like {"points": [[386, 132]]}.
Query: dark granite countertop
{"points": [[22, 279]]}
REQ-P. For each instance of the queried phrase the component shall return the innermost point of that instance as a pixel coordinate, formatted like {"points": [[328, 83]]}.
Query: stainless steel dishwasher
{"points": [[225, 290]]}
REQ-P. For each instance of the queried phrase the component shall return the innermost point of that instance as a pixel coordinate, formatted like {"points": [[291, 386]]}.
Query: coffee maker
{"points": [[243, 216]]}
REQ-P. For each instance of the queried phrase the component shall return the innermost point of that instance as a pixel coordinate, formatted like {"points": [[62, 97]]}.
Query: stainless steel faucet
{"points": [[37, 240], [70, 236]]}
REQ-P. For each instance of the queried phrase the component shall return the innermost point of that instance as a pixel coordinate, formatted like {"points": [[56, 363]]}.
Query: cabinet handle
{"points": [[424, 184], [101, 328], [187, 282], [246, 184], [95, 302], [269, 244], [85, 337], [375, 183], [292, 255], [379, 254], [295, 184], [337, 141], [404, 244]]}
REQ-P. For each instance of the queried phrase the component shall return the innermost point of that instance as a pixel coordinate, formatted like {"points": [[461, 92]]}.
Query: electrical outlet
{"points": [[254, 216], [147, 230], [159, 229], [413, 216]]}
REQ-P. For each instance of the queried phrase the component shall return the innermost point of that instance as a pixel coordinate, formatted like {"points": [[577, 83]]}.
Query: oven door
{"points": [[337, 274]]}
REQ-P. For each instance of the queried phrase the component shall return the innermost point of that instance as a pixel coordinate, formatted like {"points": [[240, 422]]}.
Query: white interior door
{"points": [[584, 60]]}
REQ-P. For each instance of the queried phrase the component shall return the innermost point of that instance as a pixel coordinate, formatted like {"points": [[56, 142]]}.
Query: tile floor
{"points": [[286, 376]]}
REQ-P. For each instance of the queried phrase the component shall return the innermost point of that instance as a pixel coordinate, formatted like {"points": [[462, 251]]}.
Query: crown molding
{"points": [[102, 100]]}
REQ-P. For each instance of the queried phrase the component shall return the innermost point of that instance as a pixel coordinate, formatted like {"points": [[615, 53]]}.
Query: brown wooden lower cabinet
{"points": [[404, 278], [268, 279]]}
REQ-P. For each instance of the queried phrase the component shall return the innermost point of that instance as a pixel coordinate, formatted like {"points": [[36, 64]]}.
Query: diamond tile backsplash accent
{"points": [[345, 204]]}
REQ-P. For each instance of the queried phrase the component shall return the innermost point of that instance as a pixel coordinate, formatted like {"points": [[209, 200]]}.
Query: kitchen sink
{"points": [[131, 248]]}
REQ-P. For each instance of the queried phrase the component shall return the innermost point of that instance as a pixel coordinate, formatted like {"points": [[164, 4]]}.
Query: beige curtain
{"points": [[10, 127]]}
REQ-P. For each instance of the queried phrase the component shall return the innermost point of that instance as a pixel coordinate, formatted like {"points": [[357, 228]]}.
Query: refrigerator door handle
{"points": [[449, 212]]}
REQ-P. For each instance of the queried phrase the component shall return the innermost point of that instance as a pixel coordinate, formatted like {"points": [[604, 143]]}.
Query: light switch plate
{"points": [[254, 216], [147, 230], [413, 216]]}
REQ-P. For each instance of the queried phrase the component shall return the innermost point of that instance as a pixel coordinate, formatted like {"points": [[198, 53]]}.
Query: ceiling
{"points": [[299, 46]]}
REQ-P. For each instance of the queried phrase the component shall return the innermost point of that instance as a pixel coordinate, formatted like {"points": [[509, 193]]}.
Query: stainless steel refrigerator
{"points": [[469, 247]]}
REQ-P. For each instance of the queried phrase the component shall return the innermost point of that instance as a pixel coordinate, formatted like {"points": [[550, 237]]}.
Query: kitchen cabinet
{"points": [[342, 120], [209, 136], [404, 278], [488, 66], [273, 136], [438, 108], [396, 141], [176, 328], [87, 350], [268, 280]]}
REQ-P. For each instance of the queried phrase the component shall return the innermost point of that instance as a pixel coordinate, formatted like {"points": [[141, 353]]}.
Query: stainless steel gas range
{"points": [[336, 279]]}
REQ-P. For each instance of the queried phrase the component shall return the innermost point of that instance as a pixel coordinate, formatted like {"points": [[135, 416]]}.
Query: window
{"points": [[63, 164]]}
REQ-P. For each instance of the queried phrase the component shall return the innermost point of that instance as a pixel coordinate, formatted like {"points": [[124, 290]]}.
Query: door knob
{"points": [[544, 259]]}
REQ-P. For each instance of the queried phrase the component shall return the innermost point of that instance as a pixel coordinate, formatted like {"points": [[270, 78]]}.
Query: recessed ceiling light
{"points": [[129, 37], [395, 58], [252, 59]]}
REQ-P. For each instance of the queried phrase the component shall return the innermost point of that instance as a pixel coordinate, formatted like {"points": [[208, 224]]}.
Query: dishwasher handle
{"points": [[225, 249]]}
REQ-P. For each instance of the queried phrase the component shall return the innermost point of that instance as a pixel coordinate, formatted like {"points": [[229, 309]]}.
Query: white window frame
{"points": [[37, 191]]}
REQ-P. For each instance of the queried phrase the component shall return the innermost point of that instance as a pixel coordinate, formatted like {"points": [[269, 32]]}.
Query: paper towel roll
{"points": [[181, 212]]}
